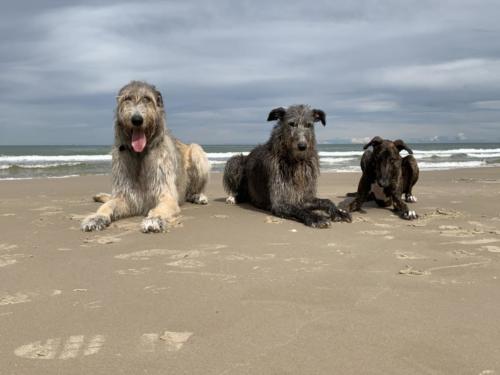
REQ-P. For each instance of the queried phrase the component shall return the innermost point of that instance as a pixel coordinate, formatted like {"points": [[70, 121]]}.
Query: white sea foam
{"points": [[336, 160], [39, 166], [219, 155], [450, 165], [53, 158]]}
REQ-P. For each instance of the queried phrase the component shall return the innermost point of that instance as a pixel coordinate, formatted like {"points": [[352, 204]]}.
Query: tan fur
{"points": [[155, 181]]}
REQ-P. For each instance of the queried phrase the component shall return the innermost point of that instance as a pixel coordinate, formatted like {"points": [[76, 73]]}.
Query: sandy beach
{"points": [[233, 290]]}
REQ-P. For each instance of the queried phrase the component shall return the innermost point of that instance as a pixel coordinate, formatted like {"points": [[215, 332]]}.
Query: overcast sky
{"points": [[419, 70]]}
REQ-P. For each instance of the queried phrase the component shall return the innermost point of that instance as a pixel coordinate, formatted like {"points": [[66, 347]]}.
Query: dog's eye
{"points": [[127, 98], [146, 99], [291, 123]]}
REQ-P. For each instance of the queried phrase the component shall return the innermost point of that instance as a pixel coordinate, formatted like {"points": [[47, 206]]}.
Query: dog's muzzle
{"points": [[137, 119], [302, 146]]}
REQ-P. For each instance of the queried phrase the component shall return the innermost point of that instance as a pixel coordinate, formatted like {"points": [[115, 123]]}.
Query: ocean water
{"points": [[25, 162]]}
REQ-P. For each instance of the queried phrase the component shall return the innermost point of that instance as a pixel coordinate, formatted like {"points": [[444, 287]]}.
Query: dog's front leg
{"points": [[158, 218], [402, 208], [113, 209], [329, 207], [364, 188], [301, 214]]}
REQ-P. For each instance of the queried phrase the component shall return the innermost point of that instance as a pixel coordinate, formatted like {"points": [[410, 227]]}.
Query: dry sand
{"points": [[232, 290]]}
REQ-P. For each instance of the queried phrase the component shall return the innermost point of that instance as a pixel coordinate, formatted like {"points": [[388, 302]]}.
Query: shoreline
{"points": [[220, 173]]}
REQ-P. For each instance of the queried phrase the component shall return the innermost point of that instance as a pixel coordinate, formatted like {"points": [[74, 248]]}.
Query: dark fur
{"points": [[280, 176], [393, 174]]}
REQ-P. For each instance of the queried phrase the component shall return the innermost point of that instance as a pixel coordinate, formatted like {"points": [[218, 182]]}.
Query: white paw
{"points": [[95, 222], [231, 200], [410, 215], [411, 199], [153, 225], [201, 199]]}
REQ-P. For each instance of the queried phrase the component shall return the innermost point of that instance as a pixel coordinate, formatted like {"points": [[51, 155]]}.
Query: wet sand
{"points": [[232, 290]]}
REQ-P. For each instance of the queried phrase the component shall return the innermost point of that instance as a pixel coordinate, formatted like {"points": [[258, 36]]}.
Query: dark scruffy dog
{"points": [[387, 176], [152, 172], [280, 176]]}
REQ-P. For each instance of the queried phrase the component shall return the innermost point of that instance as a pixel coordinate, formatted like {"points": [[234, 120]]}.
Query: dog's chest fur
{"points": [[378, 192], [142, 179]]}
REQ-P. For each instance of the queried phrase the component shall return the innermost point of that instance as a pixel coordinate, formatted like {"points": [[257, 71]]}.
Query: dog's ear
{"points": [[159, 99], [319, 115], [276, 114], [376, 141], [401, 145]]}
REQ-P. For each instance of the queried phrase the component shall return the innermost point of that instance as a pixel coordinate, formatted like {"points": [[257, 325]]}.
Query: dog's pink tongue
{"points": [[138, 140]]}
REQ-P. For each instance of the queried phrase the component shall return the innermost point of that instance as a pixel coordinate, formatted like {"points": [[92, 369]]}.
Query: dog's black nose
{"points": [[301, 146], [137, 119]]}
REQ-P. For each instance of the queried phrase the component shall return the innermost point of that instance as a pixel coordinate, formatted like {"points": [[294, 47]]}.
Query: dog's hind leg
{"points": [[233, 179], [101, 197], [159, 217], [113, 209], [198, 169], [329, 207]]}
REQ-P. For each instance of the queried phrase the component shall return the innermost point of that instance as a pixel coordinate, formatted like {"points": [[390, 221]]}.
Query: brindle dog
{"points": [[280, 176], [387, 176], [152, 172]]}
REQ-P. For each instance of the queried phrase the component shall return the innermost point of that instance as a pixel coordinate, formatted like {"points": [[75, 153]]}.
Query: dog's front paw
{"points": [[153, 225], [409, 215], [198, 199], [231, 200], [341, 215], [95, 222], [410, 198], [318, 222]]}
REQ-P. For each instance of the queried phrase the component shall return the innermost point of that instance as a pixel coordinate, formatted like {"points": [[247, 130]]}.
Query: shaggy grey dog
{"points": [[280, 176], [152, 172]]}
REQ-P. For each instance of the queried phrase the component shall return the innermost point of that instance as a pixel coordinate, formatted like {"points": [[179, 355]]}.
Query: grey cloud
{"points": [[413, 69]]}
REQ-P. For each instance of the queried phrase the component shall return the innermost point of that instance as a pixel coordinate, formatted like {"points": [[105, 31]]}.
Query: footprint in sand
{"points": [[103, 240], [23, 297], [8, 259], [203, 250], [461, 253], [186, 263], [153, 289], [273, 220], [410, 271], [408, 255], [477, 242], [13, 299], [454, 231], [491, 249], [218, 216], [376, 232], [133, 271], [165, 342], [57, 348], [237, 256]]}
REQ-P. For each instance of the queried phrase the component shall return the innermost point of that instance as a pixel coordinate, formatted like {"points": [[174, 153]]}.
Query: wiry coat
{"points": [[281, 175], [152, 172]]}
